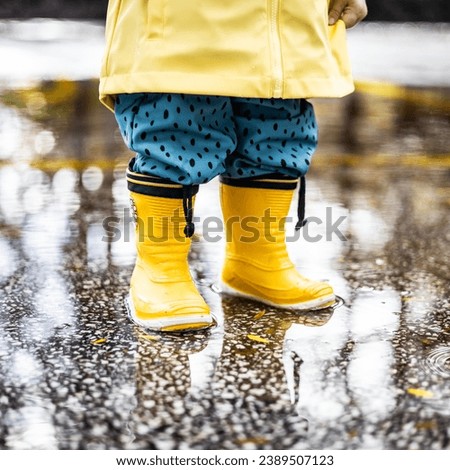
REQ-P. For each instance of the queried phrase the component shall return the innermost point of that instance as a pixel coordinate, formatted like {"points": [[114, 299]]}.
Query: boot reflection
{"points": [[252, 400], [232, 394], [165, 390]]}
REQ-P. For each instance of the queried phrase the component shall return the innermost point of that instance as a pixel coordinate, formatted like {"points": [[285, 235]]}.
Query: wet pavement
{"points": [[373, 373]]}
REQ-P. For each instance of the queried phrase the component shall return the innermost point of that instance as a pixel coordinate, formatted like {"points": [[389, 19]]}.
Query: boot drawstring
{"points": [[301, 204], [159, 187], [188, 211]]}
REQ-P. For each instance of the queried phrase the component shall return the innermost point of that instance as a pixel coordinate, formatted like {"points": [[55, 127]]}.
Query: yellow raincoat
{"points": [[251, 48]]}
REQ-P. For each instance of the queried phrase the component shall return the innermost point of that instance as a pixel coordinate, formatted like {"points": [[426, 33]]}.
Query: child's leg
{"points": [[274, 136], [182, 138], [276, 139], [180, 141]]}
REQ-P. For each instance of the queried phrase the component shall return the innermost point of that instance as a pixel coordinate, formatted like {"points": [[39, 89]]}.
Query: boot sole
{"points": [[178, 323], [316, 304]]}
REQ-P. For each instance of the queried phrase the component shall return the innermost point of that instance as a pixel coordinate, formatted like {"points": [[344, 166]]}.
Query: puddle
{"points": [[261, 378], [342, 371]]}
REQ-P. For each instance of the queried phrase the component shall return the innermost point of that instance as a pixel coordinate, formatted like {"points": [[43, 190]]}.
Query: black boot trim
{"points": [[271, 181], [160, 187], [155, 186], [301, 221]]}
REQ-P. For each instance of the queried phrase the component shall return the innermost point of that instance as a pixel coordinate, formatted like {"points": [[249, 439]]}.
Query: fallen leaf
{"points": [[426, 425], [420, 392], [98, 341], [258, 339], [259, 315], [427, 341], [258, 440]]}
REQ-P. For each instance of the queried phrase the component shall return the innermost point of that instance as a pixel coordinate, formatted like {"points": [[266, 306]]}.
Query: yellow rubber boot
{"points": [[257, 264], [163, 295]]}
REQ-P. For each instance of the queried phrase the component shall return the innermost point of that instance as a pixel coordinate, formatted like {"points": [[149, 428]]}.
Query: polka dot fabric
{"points": [[190, 139]]}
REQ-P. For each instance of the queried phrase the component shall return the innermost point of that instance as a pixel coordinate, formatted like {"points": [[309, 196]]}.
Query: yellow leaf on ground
{"points": [[258, 440], [426, 425], [259, 315], [258, 339], [98, 341], [420, 392]]}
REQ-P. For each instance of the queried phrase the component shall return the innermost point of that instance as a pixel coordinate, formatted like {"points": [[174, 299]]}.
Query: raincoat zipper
{"points": [[277, 65]]}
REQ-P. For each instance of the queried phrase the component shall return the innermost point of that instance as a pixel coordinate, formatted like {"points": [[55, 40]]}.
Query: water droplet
{"points": [[215, 288]]}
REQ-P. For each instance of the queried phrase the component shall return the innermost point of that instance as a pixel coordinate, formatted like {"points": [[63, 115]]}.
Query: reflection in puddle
{"points": [[54, 309], [11, 132], [76, 373], [8, 259], [92, 178], [31, 427], [44, 142], [364, 224], [305, 349]]}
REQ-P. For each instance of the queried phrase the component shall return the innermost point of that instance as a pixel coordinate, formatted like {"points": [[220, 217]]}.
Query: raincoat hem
{"points": [[199, 84]]}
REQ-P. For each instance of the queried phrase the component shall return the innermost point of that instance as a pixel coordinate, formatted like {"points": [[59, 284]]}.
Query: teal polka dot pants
{"points": [[190, 139]]}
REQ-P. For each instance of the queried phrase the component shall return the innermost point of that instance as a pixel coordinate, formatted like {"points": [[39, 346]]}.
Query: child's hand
{"points": [[350, 11]]}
